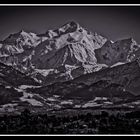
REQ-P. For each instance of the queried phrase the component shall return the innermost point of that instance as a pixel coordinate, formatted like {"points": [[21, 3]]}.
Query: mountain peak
{"points": [[132, 40], [66, 28], [129, 39], [72, 23], [23, 33], [71, 26], [14, 36]]}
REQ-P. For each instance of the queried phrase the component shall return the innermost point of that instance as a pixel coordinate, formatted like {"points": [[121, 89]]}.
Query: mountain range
{"points": [[68, 67]]}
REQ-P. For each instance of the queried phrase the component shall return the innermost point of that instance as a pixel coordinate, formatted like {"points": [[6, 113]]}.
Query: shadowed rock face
{"points": [[127, 75], [13, 77], [120, 51]]}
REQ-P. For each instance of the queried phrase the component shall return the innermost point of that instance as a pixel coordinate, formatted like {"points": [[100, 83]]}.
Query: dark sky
{"points": [[112, 22]]}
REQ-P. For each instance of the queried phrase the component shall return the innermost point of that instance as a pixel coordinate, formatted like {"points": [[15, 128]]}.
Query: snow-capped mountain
{"points": [[71, 47], [68, 45], [65, 53], [67, 67], [121, 51], [17, 49], [18, 43]]}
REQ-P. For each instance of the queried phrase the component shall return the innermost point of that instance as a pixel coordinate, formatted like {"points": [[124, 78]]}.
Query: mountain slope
{"points": [[70, 45], [65, 53], [127, 75], [71, 40], [13, 77], [125, 50]]}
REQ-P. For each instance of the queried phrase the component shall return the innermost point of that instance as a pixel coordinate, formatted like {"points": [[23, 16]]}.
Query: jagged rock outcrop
{"points": [[12, 77], [126, 50]]}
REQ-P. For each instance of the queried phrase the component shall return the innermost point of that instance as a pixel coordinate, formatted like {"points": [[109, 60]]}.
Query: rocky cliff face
{"points": [[13, 77], [71, 47], [120, 51]]}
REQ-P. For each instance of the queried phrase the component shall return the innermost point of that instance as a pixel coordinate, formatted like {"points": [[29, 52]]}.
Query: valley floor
{"points": [[71, 121]]}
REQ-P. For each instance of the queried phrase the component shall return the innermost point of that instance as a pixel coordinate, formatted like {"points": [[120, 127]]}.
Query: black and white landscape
{"points": [[69, 80]]}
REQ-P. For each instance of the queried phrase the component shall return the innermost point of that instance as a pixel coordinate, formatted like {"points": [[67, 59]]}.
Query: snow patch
{"points": [[91, 104], [8, 87], [23, 87], [66, 102], [45, 72], [117, 64], [29, 98], [109, 103], [56, 96], [136, 103], [77, 106], [9, 105], [51, 99], [100, 98]]}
